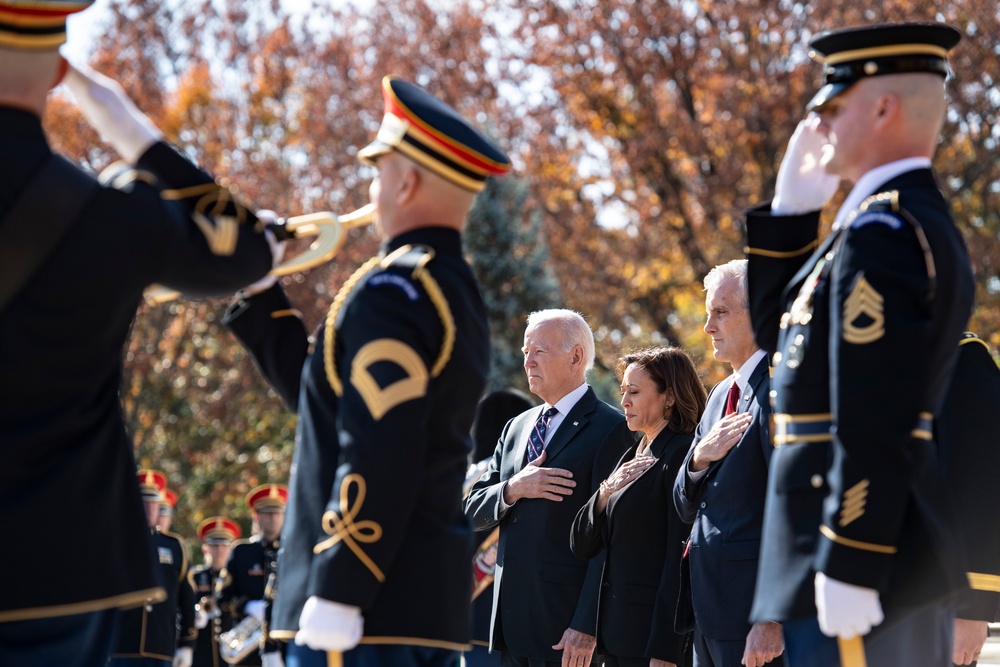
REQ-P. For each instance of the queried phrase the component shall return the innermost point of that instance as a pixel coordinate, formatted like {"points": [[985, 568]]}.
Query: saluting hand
{"points": [[720, 439], [534, 481]]}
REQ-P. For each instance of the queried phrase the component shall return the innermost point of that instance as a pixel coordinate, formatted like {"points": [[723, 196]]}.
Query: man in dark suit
{"points": [[75, 258], [857, 554], [545, 599], [375, 558], [722, 485], [966, 431]]}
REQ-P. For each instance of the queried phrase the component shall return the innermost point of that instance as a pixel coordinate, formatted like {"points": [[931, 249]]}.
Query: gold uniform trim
{"points": [[828, 533], [977, 339], [808, 248], [882, 52], [330, 329], [346, 529], [433, 292], [438, 167], [124, 601], [287, 312], [853, 507], [379, 401], [864, 300], [852, 652], [979, 581]]}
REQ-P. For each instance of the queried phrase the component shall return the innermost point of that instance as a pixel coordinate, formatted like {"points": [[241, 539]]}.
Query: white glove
{"points": [[255, 608], [803, 184], [846, 610], [109, 111], [200, 619], [277, 253], [272, 659], [329, 626], [183, 657]]}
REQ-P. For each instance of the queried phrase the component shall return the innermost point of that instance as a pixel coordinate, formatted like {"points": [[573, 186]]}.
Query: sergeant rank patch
{"points": [[864, 320]]}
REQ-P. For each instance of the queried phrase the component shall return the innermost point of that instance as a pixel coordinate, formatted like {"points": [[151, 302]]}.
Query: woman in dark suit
{"points": [[632, 515]]}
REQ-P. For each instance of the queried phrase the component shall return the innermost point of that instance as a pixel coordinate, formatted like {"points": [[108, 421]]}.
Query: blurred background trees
{"points": [[640, 130]]}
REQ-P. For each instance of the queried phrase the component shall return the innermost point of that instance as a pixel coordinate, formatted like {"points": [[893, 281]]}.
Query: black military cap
{"points": [[432, 134], [852, 54], [36, 24]]}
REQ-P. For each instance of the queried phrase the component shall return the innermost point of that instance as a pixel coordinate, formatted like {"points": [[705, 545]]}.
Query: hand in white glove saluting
{"points": [[803, 184]]}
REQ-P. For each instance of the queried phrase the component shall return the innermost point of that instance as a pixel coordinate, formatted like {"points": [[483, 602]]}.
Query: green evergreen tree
{"points": [[511, 261]]}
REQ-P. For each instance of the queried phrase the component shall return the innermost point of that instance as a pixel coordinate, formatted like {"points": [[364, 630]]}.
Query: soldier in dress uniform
{"points": [[863, 328], [216, 534], [242, 589], [167, 504], [159, 633], [75, 257], [387, 397], [966, 430]]}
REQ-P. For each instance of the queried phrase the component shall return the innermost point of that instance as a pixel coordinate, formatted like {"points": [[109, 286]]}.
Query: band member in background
{"points": [[242, 586], [216, 534], [160, 631], [167, 504]]}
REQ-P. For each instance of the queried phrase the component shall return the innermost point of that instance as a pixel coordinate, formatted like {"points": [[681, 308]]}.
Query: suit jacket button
{"points": [[816, 481]]}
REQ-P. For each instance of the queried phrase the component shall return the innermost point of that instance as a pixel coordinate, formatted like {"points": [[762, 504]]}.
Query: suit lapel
{"points": [[574, 422]]}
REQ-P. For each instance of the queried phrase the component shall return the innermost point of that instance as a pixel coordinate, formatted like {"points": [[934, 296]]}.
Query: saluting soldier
{"points": [[159, 632], [386, 401], [242, 589], [75, 257], [216, 534], [863, 329]]}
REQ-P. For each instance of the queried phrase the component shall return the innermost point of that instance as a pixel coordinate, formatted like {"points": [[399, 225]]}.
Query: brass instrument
{"points": [[207, 606], [328, 229], [241, 641]]}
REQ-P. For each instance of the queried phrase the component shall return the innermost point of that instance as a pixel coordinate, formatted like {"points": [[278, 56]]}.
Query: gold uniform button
{"points": [[816, 481]]}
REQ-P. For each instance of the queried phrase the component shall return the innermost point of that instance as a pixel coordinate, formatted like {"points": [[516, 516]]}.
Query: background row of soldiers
{"points": [[235, 582]]}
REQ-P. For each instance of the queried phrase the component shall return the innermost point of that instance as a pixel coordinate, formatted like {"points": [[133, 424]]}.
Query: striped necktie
{"points": [[536, 441]]}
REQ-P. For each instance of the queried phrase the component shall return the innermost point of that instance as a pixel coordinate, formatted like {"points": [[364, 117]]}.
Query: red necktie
{"points": [[732, 399]]}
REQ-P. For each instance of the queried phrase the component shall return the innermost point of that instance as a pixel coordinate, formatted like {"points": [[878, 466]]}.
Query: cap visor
{"points": [[372, 151], [825, 94]]}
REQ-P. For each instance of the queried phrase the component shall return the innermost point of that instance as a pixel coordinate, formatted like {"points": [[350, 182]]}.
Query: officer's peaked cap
{"points": [[432, 134], [851, 54], [218, 530], [151, 484], [268, 498]]}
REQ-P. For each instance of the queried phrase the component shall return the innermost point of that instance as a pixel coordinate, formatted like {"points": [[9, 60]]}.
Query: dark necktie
{"points": [[732, 399], [536, 441]]}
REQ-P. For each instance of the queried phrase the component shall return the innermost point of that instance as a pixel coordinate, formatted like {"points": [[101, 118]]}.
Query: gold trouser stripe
{"points": [[852, 652], [855, 544], [287, 312], [780, 254], [979, 581], [334, 659]]}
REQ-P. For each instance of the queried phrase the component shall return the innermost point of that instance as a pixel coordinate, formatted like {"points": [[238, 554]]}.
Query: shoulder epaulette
{"points": [[415, 259], [882, 201]]}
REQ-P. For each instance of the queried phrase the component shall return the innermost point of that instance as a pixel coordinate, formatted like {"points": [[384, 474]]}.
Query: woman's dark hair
{"points": [[671, 367]]}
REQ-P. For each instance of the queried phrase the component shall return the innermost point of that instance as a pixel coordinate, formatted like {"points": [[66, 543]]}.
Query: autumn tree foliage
{"points": [[640, 131]]}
